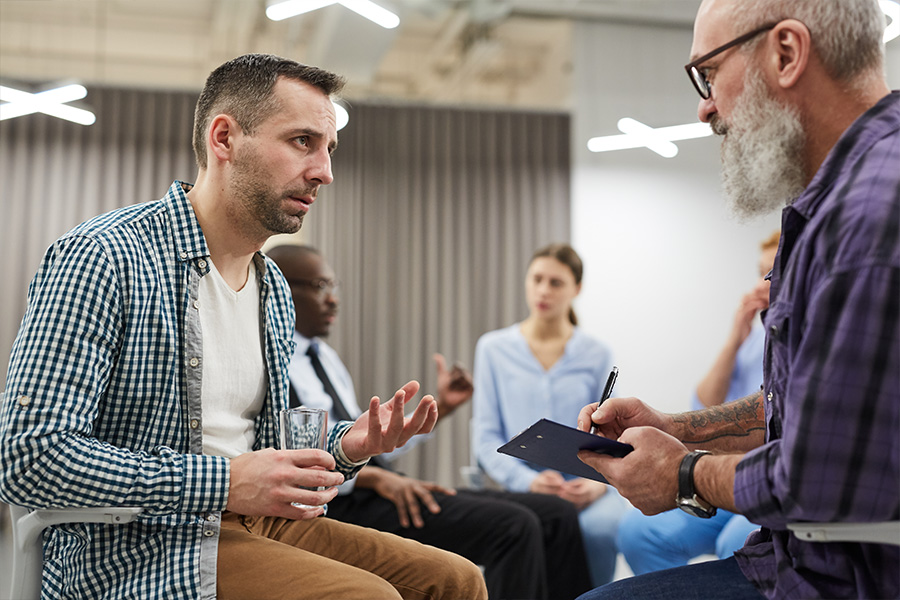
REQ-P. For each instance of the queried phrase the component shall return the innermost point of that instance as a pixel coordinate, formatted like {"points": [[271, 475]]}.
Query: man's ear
{"points": [[792, 46], [223, 130]]}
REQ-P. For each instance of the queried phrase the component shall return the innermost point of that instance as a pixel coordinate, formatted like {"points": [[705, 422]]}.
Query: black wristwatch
{"points": [[687, 498]]}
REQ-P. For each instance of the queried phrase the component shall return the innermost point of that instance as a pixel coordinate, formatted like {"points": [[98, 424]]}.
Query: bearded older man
{"points": [[797, 90]]}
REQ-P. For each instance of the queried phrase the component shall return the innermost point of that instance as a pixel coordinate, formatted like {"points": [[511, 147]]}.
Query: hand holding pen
{"points": [[607, 391]]}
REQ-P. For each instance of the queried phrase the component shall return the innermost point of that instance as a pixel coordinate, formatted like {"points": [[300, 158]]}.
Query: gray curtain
{"points": [[429, 224]]}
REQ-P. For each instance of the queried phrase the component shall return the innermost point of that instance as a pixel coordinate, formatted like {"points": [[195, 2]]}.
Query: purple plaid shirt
{"points": [[832, 376]]}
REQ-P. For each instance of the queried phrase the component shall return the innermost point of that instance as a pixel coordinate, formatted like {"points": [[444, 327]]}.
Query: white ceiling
{"points": [[513, 53]]}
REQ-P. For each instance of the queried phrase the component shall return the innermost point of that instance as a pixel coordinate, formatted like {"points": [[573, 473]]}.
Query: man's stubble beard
{"points": [[762, 165], [261, 202]]}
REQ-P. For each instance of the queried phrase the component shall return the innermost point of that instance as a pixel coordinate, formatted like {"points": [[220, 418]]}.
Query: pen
{"points": [[607, 391]]}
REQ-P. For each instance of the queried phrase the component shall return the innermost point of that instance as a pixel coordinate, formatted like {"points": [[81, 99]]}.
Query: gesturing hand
{"points": [[454, 386], [383, 427], [266, 482]]}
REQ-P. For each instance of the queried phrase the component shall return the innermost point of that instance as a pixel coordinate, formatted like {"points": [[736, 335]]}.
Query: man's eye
{"points": [[303, 140]]}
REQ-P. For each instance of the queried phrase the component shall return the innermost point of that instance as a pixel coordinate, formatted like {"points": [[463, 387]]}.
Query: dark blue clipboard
{"points": [[555, 446]]}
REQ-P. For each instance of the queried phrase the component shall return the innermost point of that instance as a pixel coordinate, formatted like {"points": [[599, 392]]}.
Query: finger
{"points": [[395, 424], [584, 417], [415, 511], [402, 512], [441, 363], [422, 420], [428, 500], [374, 428], [315, 477], [602, 463], [435, 488], [411, 389], [310, 457]]}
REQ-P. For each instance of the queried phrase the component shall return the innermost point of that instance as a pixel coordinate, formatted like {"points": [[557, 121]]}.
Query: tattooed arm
{"points": [[737, 426], [648, 476]]}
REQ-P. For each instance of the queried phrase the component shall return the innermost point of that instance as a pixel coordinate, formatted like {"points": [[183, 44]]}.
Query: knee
{"points": [[456, 577]]}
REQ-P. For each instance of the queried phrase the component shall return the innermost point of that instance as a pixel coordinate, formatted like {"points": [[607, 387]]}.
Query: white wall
{"points": [[665, 261]]}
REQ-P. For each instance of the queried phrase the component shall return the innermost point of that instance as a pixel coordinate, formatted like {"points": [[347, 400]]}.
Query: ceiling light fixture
{"points": [[638, 135], [366, 8], [341, 116], [50, 102], [891, 10]]}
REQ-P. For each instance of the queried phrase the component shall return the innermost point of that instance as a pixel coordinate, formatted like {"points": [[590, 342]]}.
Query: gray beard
{"points": [[762, 170]]}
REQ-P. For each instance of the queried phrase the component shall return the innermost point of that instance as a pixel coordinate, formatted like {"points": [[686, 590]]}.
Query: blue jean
{"points": [[673, 538], [599, 525], [712, 580]]}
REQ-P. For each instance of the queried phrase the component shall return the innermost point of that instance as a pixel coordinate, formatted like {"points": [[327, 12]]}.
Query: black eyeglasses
{"points": [[698, 76], [322, 287]]}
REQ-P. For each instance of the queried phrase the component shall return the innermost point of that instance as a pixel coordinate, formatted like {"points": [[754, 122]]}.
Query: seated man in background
{"points": [[673, 538], [529, 544]]}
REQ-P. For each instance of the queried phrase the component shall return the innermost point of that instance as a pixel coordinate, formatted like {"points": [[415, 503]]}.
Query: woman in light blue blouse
{"points": [[546, 367]]}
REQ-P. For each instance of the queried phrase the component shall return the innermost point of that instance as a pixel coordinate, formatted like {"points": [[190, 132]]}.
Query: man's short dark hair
{"points": [[242, 88]]}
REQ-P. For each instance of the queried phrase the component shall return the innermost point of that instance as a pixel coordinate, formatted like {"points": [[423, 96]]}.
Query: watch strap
{"points": [[686, 473]]}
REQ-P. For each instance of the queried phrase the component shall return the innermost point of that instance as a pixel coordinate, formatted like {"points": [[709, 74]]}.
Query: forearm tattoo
{"points": [[739, 419]]}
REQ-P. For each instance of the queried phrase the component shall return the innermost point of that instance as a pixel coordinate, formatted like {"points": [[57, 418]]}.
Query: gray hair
{"points": [[847, 35]]}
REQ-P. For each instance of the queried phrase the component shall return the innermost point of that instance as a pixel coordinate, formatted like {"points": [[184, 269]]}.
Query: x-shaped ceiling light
{"points": [[366, 8], [50, 102], [637, 135]]}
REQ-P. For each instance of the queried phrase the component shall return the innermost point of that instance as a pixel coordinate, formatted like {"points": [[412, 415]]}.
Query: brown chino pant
{"points": [[270, 558]]}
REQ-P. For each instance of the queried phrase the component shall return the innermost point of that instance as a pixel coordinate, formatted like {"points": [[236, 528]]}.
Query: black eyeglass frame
{"points": [[698, 78], [321, 286]]}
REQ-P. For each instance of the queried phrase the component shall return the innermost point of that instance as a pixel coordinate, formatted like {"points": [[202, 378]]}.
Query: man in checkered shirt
{"points": [[151, 364]]}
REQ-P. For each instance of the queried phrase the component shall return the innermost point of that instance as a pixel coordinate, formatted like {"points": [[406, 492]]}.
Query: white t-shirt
{"points": [[234, 370]]}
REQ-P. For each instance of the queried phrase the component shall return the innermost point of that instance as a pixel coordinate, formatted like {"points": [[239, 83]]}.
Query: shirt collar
{"points": [[853, 143]]}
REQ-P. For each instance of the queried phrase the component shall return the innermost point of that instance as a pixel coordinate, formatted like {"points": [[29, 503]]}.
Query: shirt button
{"points": [[769, 397], [201, 263], [209, 533], [195, 423], [211, 518], [774, 330], [196, 304], [24, 400], [194, 361], [183, 255]]}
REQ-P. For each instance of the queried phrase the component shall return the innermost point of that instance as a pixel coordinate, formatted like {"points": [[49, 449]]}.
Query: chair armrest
{"points": [[875, 533], [29, 525]]}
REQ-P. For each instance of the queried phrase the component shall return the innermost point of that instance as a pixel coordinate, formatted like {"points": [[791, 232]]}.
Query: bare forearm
{"points": [[714, 479], [737, 426]]}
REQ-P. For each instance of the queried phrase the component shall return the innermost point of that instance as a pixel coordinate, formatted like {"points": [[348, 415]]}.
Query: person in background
{"points": [[672, 538], [797, 90], [151, 365], [546, 367], [529, 545]]}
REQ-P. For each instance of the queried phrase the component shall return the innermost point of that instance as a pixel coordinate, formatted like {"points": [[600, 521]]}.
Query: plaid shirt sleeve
{"points": [[58, 386]]}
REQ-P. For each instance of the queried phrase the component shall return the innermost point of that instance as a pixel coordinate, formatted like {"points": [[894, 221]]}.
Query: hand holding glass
{"points": [[303, 428]]}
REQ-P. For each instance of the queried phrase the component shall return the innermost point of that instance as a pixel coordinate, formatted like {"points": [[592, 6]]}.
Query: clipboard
{"points": [[555, 446]]}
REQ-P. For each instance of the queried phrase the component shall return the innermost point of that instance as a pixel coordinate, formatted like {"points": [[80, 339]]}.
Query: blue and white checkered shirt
{"points": [[103, 403]]}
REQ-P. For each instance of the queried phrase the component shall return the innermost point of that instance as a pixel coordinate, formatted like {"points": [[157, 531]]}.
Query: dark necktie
{"points": [[340, 412]]}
